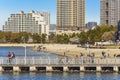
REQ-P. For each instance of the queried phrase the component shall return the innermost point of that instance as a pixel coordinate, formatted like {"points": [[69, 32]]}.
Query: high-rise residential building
{"points": [[46, 15], [27, 22], [109, 11], [70, 15]]}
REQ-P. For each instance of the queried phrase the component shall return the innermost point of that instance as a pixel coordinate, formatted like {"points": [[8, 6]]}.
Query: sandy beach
{"points": [[73, 50], [70, 50]]}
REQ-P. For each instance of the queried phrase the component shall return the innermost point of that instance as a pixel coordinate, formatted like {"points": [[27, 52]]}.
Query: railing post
{"points": [[33, 60], [57, 61], [116, 60], [24, 60], [82, 60], [40, 60], [65, 61], [98, 61], [107, 60], [2, 60], [49, 60], [15, 61]]}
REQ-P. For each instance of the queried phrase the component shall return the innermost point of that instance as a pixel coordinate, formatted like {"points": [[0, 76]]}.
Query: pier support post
{"points": [[115, 68], [98, 68], [1, 69], [82, 68], [16, 69], [49, 68], [65, 69], [32, 68]]}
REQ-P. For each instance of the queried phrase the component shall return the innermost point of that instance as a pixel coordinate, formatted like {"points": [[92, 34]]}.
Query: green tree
{"points": [[52, 38], [36, 38], [7, 36], [43, 37], [15, 38], [2, 37], [24, 36]]}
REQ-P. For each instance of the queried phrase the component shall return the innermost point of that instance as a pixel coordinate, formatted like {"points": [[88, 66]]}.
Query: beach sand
{"points": [[74, 51]]}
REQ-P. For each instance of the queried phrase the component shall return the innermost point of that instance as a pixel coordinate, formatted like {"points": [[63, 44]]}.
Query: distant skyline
{"points": [[7, 7]]}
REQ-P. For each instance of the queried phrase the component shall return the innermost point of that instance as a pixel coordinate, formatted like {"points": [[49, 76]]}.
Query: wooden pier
{"points": [[61, 64]]}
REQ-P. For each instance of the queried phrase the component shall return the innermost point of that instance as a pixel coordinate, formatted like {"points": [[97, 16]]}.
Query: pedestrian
{"points": [[9, 57], [13, 55]]}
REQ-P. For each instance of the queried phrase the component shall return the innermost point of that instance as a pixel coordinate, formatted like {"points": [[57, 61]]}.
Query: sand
{"points": [[74, 51]]}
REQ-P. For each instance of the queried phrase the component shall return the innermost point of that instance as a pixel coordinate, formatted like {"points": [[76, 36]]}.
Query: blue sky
{"points": [[13, 6]]}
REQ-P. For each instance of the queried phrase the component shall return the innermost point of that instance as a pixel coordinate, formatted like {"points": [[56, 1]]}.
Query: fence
{"points": [[59, 61]]}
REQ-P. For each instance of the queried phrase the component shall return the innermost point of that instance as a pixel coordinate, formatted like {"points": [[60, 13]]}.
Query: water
{"points": [[59, 76], [20, 51]]}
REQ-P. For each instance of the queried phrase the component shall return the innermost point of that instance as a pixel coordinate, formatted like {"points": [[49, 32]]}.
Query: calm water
{"points": [[20, 51], [59, 76]]}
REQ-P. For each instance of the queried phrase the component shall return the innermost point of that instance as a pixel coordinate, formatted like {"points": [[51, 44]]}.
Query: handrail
{"points": [[59, 61]]}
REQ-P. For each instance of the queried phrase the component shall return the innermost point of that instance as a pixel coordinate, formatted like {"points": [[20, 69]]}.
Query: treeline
{"points": [[93, 35], [99, 33], [22, 37]]}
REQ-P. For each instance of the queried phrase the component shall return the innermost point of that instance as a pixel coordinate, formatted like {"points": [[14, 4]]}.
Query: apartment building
{"points": [[27, 22]]}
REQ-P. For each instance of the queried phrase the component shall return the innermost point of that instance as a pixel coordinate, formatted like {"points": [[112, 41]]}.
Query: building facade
{"points": [[46, 15], [52, 28], [70, 15], [26, 22], [109, 11], [89, 25]]}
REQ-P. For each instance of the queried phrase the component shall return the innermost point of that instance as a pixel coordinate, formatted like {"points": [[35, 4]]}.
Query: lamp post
{"points": [[25, 54], [25, 49]]}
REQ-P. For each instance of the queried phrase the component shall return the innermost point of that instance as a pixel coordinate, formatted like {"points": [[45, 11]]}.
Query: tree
{"points": [[7, 36], [52, 38], [25, 36], [108, 36], [36, 38], [43, 37], [2, 37], [15, 38]]}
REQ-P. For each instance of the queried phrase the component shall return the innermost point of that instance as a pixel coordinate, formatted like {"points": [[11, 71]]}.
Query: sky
{"points": [[7, 7]]}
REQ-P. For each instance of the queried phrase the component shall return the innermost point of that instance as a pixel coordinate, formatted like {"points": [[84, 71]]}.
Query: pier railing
{"points": [[59, 61]]}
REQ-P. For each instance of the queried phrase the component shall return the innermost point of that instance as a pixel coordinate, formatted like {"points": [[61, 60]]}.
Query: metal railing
{"points": [[59, 61]]}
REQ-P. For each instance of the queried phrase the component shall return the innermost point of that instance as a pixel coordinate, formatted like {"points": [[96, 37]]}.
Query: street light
{"points": [[25, 49], [25, 54]]}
